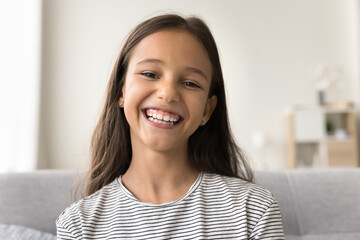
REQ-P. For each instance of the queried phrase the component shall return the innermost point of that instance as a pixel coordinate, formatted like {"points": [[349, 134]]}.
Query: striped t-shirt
{"points": [[215, 207]]}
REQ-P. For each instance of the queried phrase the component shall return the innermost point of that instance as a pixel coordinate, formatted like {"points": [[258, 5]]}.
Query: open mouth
{"points": [[162, 117]]}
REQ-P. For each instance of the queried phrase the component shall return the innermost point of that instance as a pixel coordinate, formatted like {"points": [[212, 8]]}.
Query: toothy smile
{"points": [[163, 117]]}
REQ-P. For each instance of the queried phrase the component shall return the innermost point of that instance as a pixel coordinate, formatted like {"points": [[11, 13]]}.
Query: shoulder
{"points": [[88, 205], [248, 201], [236, 186], [239, 191]]}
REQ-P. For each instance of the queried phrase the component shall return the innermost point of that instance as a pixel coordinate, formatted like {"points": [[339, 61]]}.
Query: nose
{"points": [[168, 90]]}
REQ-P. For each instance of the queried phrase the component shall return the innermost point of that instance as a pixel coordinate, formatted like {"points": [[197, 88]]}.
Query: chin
{"points": [[164, 146]]}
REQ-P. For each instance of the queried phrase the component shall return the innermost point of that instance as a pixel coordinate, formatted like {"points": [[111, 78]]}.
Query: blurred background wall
{"points": [[269, 53]]}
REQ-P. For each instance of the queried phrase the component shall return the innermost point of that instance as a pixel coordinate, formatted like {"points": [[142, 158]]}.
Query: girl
{"points": [[164, 163]]}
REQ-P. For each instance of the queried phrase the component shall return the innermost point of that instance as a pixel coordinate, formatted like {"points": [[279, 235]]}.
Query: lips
{"points": [[161, 116]]}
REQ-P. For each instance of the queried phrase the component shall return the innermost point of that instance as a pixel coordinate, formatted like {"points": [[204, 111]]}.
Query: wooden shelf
{"points": [[347, 139], [312, 141]]}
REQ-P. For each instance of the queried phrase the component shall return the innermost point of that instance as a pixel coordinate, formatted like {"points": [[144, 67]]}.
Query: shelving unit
{"points": [[322, 137]]}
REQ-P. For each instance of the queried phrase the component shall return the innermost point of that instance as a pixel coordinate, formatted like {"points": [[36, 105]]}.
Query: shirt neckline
{"points": [[193, 187]]}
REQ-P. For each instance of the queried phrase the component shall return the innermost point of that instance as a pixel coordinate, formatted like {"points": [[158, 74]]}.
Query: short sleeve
{"points": [[63, 234], [269, 226], [68, 226]]}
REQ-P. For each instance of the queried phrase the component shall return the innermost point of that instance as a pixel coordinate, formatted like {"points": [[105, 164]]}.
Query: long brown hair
{"points": [[211, 148]]}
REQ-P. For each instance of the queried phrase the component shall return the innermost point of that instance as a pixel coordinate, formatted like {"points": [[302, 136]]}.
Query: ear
{"points": [[209, 109], [121, 99], [121, 102]]}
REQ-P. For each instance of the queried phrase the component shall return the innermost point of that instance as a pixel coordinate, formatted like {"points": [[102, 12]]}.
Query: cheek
{"points": [[132, 89], [135, 94], [197, 106]]}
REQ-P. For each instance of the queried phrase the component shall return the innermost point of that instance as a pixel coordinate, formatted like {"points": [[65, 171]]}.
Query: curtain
{"points": [[20, 65]]}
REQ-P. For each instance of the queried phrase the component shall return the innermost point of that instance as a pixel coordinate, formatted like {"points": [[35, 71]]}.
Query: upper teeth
{"points": [[163, 116]]}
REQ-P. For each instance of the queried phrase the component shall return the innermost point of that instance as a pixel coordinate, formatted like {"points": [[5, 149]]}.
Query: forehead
{"points": [[173, 47]]}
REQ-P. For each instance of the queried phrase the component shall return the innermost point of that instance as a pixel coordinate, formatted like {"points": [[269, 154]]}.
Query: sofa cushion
{"points": [[332, 236], [15, 232]]}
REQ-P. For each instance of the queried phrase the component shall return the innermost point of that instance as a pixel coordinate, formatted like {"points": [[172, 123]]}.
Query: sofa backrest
{"points": [[317, 203], [35, 199]]}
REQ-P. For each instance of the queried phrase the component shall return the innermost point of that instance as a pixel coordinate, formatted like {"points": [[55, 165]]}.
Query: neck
{"points": [[159, 168], [159, 177]]}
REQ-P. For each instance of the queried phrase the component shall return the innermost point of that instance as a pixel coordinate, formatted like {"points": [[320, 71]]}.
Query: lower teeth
{"points": [[160, 121]]}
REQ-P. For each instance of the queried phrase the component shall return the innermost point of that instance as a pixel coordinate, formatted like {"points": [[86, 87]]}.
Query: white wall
{"points": [[269, 50]]}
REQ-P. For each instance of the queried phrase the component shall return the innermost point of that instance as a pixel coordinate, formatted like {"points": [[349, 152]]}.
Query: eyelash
{"points": [[150, 75], [154, 76], [191, 84]]}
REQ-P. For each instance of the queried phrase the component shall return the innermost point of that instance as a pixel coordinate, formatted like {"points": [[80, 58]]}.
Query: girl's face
{"points": [[166, 90]]}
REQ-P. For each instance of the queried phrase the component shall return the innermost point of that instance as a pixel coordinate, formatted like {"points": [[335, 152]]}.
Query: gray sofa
{"points": [[315, 204]]}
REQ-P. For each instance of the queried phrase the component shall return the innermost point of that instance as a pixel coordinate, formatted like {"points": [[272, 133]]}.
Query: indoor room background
{"points": [[58, 55]]}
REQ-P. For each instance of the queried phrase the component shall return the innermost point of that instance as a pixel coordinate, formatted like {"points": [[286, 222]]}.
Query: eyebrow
{"points": [[197, 71], [150, 60], [189, 69]]}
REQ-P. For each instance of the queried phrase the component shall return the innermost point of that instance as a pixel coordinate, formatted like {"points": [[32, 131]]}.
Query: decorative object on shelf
{"points": [[341, 134], [321, 97], [327, 76], [330, 128]]}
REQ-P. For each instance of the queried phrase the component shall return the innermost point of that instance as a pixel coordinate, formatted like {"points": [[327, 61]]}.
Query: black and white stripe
{"points": [[215, 207]]}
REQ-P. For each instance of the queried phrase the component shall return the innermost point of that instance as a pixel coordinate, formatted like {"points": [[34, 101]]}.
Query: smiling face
{"points": [[166, 90]]}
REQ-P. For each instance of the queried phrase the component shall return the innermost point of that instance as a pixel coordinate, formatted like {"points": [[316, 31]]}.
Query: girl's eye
{"points": [[191, 84], [149, 75]]}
